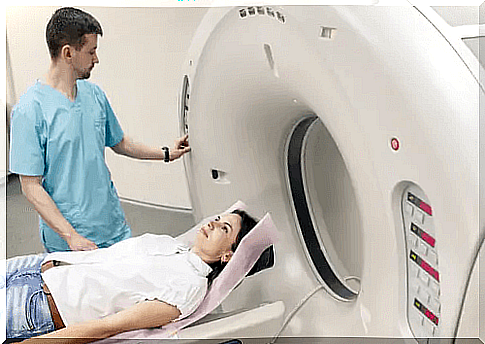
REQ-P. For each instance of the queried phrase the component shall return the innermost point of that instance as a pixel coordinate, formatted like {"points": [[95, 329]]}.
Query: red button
{"points": [[395, 144], [428, 238], [426, 208]]}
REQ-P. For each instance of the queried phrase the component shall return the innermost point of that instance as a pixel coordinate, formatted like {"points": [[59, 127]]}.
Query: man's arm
{"points": [[147, 314], [138, 150], [47, 209]]}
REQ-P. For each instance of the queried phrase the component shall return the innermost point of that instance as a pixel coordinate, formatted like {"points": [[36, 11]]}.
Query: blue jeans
{"points": [[28, 313]]}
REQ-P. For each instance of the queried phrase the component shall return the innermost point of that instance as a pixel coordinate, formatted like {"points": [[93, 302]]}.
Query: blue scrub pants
{"points": [[28, 313]]}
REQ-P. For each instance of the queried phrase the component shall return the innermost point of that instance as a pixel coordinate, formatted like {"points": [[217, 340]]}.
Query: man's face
{"points": [[83, 60]]}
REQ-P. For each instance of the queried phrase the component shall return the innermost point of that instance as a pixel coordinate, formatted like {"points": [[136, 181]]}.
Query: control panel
{"points": [[424, 308]]}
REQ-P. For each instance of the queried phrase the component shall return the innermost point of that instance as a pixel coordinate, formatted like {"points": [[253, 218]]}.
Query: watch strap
{"points": [[166, 150]]}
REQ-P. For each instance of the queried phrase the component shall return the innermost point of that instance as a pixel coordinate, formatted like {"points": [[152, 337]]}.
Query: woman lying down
{"points": [[142, 282]]}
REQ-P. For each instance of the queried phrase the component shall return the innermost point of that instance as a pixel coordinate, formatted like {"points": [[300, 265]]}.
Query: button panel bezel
{"points": [[422, 264]]}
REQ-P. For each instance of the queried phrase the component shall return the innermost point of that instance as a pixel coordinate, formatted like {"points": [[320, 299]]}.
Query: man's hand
{"points": [[138, 150], [47, 209], [181, 147], [77, 242]]}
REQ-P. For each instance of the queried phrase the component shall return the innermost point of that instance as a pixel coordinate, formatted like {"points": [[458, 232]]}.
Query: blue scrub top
{"points": [[64, 141]]}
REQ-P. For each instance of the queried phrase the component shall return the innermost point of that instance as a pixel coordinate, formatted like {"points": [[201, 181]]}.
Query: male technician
{"points": [[59, 130]]}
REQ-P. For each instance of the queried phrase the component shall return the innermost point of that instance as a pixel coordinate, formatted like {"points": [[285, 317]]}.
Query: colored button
{"points": [[426, 208], [428, 238], [429, 269]]}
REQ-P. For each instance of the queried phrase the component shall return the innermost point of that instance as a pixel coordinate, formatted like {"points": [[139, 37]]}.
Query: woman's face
{"points": [[214, 240]]}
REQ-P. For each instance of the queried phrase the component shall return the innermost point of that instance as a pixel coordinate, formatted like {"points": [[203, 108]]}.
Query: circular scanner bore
{"points": [[325, 208]]}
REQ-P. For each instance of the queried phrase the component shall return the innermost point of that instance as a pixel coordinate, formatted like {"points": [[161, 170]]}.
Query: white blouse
{"points": [[105, 281]]}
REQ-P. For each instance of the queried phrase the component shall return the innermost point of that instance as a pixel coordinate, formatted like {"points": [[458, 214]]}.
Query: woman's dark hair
{"points": [[68, 26], [247, 223]]}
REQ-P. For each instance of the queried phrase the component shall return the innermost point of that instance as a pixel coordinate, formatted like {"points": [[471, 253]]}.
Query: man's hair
{"points": [[68, 26]]}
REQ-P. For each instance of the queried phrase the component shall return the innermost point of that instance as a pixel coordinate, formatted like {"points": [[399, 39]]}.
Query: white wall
{"points": [[141, 54]]}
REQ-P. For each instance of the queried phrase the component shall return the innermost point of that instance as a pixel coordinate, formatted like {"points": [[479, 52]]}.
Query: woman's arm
{"points": [[146, 314]]}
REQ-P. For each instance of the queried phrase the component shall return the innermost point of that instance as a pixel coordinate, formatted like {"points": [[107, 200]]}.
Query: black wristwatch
{"points": [[167, 154]]}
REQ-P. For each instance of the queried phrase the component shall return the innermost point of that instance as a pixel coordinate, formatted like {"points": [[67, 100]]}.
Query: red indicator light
{"points": [[426, 267], [432, 317], [426, 312], [394, 143], [426, 208], [428, 238]]}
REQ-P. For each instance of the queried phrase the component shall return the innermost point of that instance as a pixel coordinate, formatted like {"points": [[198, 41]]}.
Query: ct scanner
{"points": [[357, 128]]}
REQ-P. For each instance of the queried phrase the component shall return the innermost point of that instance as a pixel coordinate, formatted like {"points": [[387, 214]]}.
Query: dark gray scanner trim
{"points": [[184, 106], [301, 206]]}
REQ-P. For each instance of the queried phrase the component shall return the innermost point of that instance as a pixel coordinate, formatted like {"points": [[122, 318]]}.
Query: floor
{"points": [[22, 221]]}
